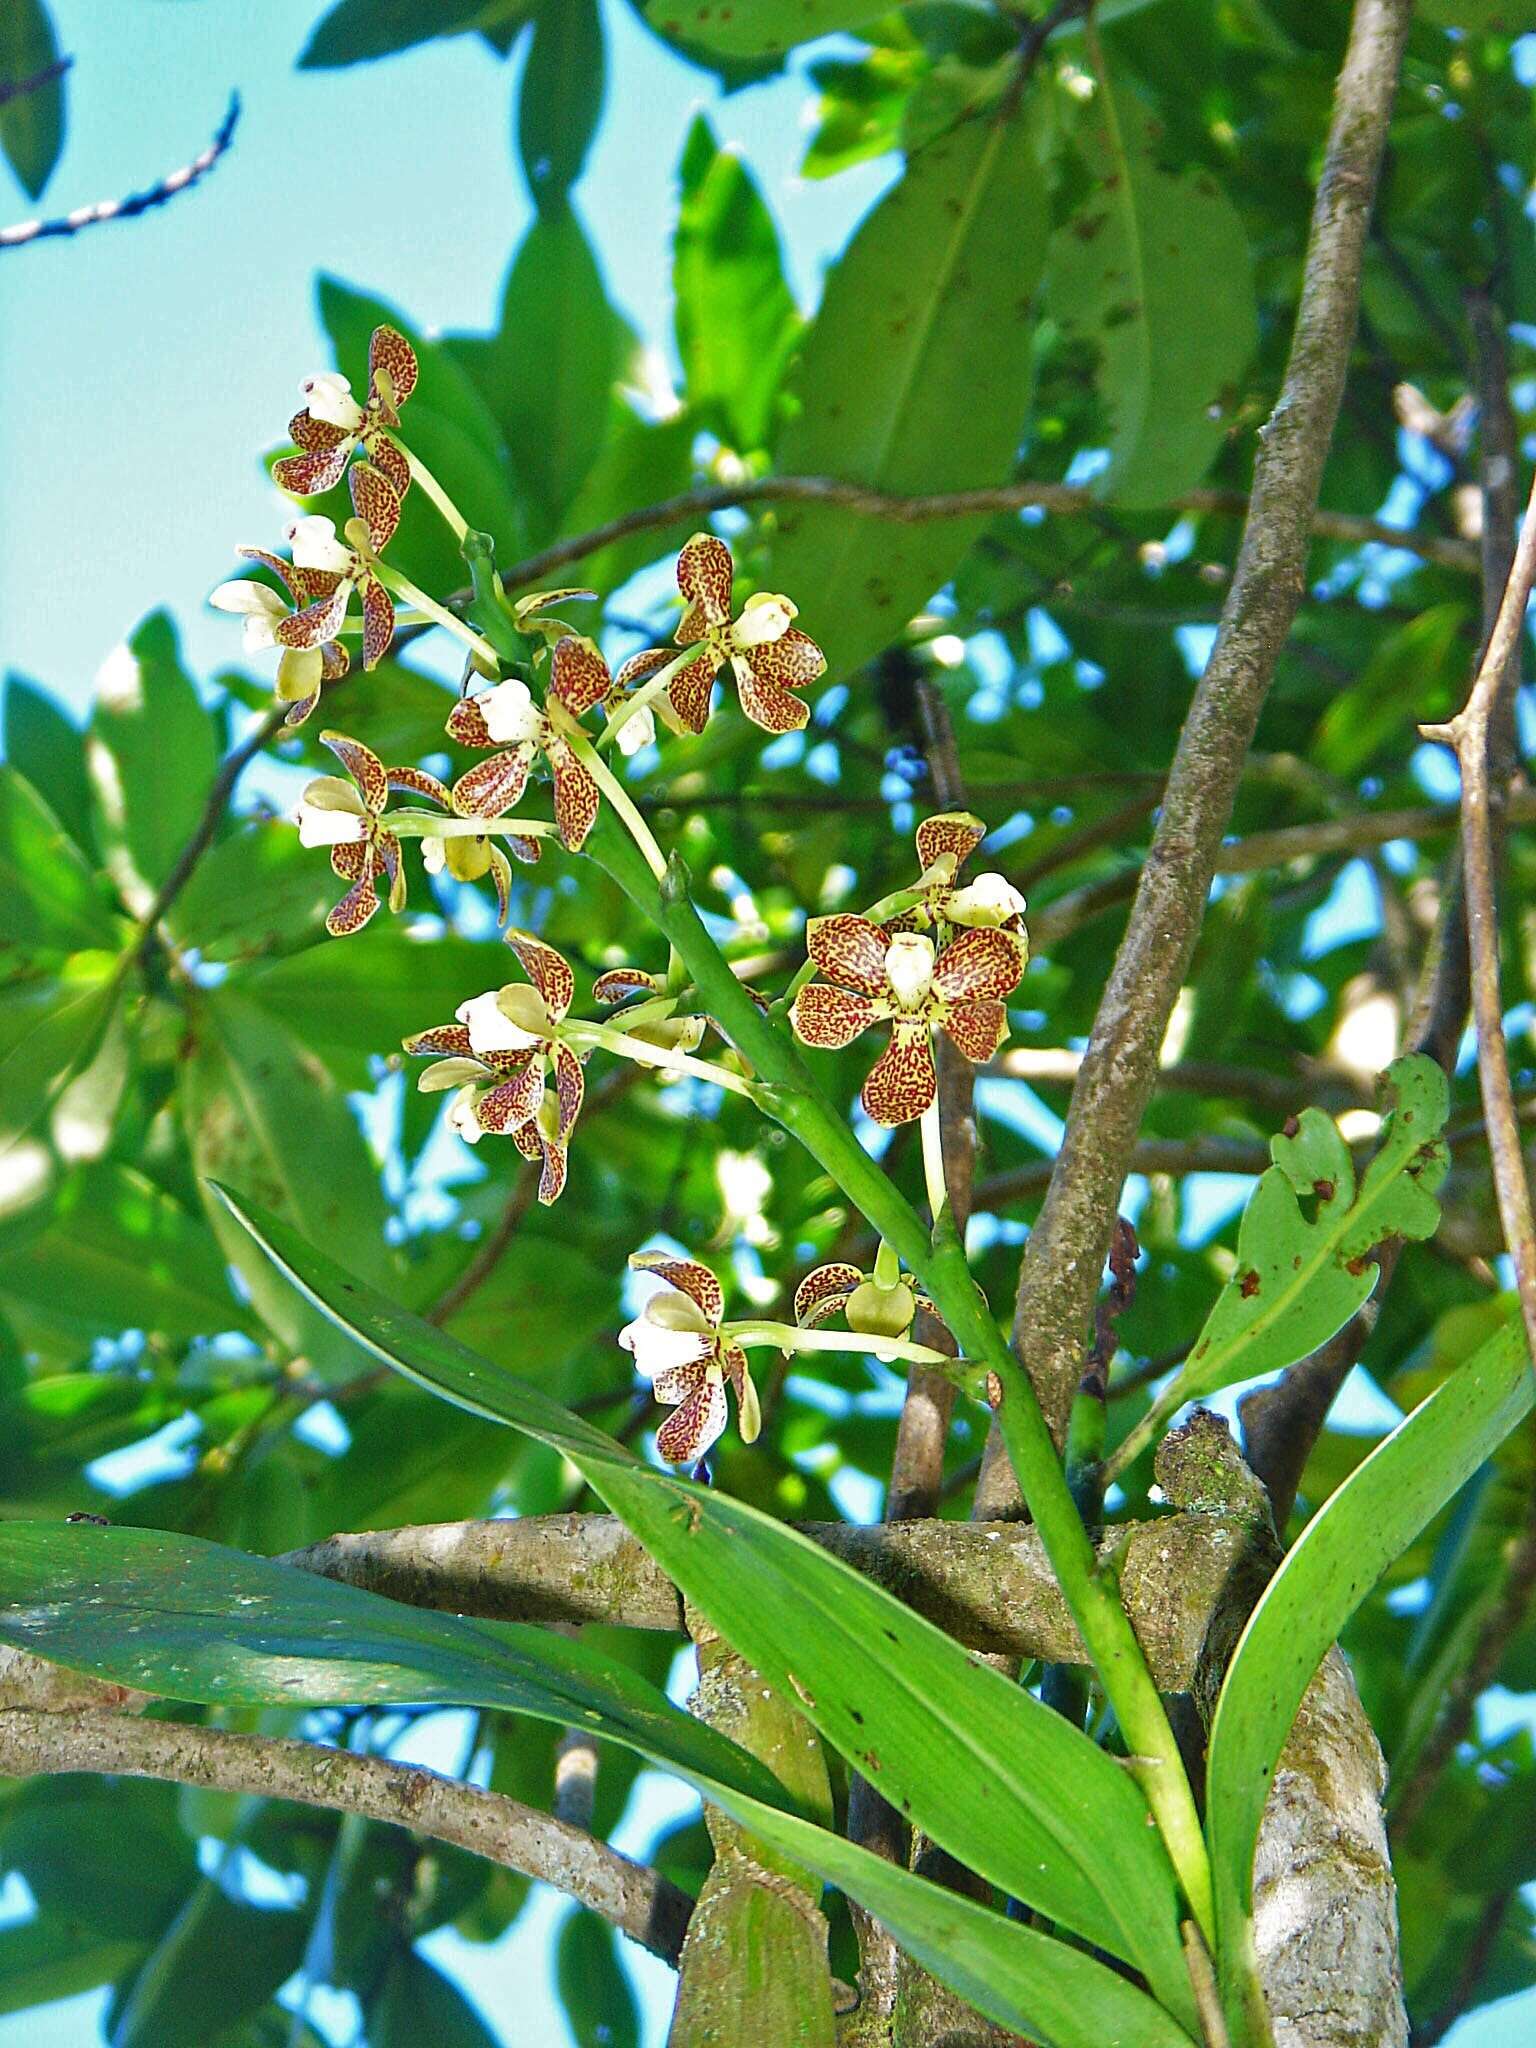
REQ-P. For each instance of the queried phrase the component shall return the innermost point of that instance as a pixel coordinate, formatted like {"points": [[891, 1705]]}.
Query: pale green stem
{"points": [[788, 1337], [645, 696], [412, 824], [610, 785], [392, 579], [440, 498], [933, 1160], [657, 1056]]}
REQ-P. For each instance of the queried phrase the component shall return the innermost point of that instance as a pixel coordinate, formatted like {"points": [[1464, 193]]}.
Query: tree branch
{"points": [[158, 194], [1069, 500], [989, 1586], [640, 1902], [1066, 1251]]}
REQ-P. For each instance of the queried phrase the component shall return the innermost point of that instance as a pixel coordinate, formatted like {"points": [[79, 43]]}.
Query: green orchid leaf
{"points": [[998, 1779], [1339, 1557], [31, 122]]}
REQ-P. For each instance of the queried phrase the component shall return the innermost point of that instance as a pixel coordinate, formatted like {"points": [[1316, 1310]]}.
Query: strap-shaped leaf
{"points": [[996, 1778], [1304, 1244], [1341, 1555], [197, 1621]]}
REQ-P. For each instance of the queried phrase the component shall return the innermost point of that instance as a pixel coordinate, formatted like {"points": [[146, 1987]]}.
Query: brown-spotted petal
{"points": [[980, 964], [466, 724], [569, 1090], [639, 666], [283, 570], [576, 795], [364, 767], [492, 786], [354, 909], [352, 860], [548, 970], [389, 351], [791, 661], [688, 691], [376, 502], [849, 949], [317, 470], [299, 712], [420, 783], [334, 663], [501, 875], [689, 1430], [388, 861], [830, 1017], [552, 1175], [675, 1383], [955, 832], [512, 1102], [977, 1029], [522, 847], [316, 436], [620, 982], [902, 1082], [822, 1292], [378, 622], [704, 574], [688, 1277], [442, 1040], [315, 624], [387, 455], [769, 707], [578, 674]]}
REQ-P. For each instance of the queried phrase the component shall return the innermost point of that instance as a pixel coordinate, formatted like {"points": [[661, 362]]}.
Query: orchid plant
{"points": [[940, 956]]}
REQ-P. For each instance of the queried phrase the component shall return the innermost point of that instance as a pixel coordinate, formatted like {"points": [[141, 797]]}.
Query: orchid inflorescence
{"points": [[939, 955]]}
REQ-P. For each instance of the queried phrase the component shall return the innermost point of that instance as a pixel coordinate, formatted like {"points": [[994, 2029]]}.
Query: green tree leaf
{"points": [[547, 374], [999, 1780], [735, 318], [51, 1958], [561, 98], [1304, 1247], [153, 749], [1339, 1557], [765, 28], [355, 31], [418, 2004], [894, 390], [641, 462], [599, 2002], [48, 892], [220, 1961], [44, 744], [1154, 269], [111, 1858], [47, 1036], [31, 123]]}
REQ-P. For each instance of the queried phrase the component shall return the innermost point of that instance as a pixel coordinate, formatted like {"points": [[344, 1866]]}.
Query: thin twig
{"points": [[20, 88], [646, 1906], [1471, 735], [1069, 500], [1475, 1959], [158, 194]]}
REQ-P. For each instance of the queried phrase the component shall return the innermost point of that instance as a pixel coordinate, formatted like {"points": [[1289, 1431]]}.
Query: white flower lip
{"points": [[490, 1028], [909, 967], [315, 546], [637, 732], [330, 399], [319, 825], [462, 1118], [765, 617], [990, 900], [256, 604], [434, 855], [657, 1349], [511, 716]]}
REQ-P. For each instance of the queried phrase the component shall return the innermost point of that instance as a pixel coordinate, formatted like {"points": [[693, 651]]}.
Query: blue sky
{"points": [[147, 365]]}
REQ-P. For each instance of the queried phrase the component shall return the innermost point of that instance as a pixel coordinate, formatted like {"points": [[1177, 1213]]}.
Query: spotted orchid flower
{"points": [[878, 1304], [989, 903], [333, 424], [876, 976], [509, 718], [301, 671], [348, 817], [768, 654], [681, 1346], [338, 567], [496, 1056]]}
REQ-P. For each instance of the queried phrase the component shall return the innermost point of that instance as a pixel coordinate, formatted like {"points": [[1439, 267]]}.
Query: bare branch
{"points": [[21, 88], [641, 1903], [988, 1585], [163, 190], [1069, 500], [1067, 1249]]}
